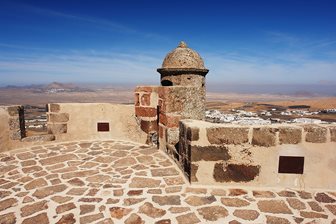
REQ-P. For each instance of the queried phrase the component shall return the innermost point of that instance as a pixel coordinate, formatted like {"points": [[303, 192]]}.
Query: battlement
{"points": [[284, 155]]}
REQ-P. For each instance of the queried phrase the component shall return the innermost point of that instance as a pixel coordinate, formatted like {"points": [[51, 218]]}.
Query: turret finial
{"points": [[182, 44]]}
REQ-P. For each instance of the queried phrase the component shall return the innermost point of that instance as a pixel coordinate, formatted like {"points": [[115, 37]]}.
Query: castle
{"points": [[171, 116]]}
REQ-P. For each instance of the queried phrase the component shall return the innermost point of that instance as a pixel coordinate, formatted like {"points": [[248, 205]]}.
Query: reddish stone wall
{"points": [[160, 108], [146, 102], [230, 154]]}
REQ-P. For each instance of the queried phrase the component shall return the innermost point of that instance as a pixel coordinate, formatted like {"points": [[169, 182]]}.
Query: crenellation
{"points": [[264, 136], [290, 135], [228, 135], [234, 159], [315, 134]]}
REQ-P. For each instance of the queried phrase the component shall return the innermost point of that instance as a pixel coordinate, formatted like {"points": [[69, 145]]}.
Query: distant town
{"points": [[266, 117]]}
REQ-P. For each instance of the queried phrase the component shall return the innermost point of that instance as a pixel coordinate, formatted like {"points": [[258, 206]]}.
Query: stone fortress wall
{"points": [[172, 116], [294, 156], [224, 154], [71, 121]]}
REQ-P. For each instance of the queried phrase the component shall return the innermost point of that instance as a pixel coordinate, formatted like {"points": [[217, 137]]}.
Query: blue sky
{"points": [[241, 42]]}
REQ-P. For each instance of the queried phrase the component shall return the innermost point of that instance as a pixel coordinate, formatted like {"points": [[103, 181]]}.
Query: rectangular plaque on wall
{"points": [[291, 164], [103, 127]]}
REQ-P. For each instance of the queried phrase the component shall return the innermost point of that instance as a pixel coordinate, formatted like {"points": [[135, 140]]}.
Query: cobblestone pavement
{"points": [[122, 182]]}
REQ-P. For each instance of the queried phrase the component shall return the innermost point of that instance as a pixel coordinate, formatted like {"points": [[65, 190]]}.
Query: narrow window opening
{"points": [[166, 83]]}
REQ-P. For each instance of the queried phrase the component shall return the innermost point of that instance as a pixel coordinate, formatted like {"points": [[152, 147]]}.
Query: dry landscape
{"points": [[61, 93]]}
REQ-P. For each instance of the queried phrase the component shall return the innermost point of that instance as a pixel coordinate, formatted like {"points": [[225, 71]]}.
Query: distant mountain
{"points": [[53, 87], [58, 85]]}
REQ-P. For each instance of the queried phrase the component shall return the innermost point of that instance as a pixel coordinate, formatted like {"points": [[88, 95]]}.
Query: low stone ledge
{"points": [[290, 135], [315, 134], [39, 138], [58, 117], [227, 135], [264, 136]]}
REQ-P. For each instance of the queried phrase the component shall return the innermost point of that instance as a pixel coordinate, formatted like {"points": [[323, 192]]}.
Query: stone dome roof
{"points": [[183, 57]]}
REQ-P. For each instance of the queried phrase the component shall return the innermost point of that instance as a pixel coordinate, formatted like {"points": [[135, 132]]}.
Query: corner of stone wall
{"points": [[16, 122], [56, 120]]}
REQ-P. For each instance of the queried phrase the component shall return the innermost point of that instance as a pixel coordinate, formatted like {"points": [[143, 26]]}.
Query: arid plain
{"points": [[125, 95]]}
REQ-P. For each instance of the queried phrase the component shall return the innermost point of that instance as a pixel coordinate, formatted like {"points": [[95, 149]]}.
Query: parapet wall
{"points": [[12, 128], [75, 121], [295, 156]]}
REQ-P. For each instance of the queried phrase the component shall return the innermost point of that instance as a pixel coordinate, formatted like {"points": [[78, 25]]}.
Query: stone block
{"points": [[145, 111], [169, 120], [193, 133], [315, 134], [145, 99], [14, 123], [58, 117], [57, 128], [290, 135], [209, 153], [235, 172], [55, 108], [332, 134], [227, 135], [264, 136], [149, 126], [136, 99]]}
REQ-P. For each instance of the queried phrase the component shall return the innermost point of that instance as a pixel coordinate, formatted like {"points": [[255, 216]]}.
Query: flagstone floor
{"points": [[124, 182]]}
